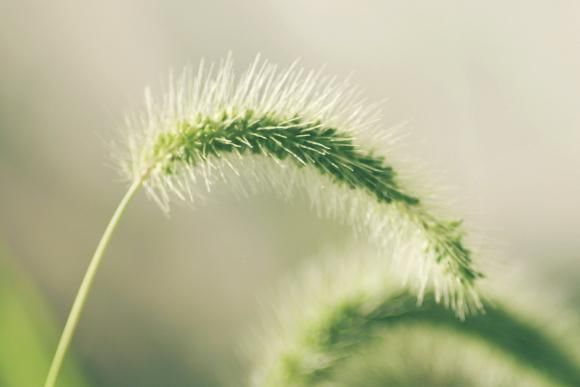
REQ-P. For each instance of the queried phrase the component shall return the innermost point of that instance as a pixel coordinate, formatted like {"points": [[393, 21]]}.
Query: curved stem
{"points": [[85, 287]]}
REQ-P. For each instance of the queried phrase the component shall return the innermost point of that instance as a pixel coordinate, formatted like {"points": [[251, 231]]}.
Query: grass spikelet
{"points": [[341, 311], [294, 130]]}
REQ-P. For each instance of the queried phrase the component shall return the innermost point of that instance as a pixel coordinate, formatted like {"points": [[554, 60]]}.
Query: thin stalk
{"points": [[81, 297]]}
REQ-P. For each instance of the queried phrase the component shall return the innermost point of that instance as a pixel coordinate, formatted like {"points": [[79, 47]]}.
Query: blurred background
{"points": [[490, 91]]}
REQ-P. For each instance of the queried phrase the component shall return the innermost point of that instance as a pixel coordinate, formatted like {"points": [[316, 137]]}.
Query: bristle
{"points": [[297, 132], [344, 305]]}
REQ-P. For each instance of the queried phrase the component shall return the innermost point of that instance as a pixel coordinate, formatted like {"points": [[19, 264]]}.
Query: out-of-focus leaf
{"points": [[27, 333]]}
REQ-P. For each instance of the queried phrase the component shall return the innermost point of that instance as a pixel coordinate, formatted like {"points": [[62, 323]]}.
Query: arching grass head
{"points": [[294, 130]]}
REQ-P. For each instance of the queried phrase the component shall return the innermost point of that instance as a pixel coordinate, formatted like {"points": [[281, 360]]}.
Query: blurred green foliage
{"points": [[27, 333]]}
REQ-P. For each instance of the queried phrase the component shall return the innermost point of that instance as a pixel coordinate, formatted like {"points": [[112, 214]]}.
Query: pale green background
{"points": [[491, 90]]}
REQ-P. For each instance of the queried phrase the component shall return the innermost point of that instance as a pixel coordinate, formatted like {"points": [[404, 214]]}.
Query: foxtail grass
{"points": [[332, 320], [291, 130]]}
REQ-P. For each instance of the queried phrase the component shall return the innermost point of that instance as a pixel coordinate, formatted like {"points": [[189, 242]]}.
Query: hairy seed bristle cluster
{"points": [[210, 125], [342, 306]]}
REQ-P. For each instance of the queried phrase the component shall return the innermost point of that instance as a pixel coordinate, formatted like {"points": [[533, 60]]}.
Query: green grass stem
{"points": [[85, 287]]}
